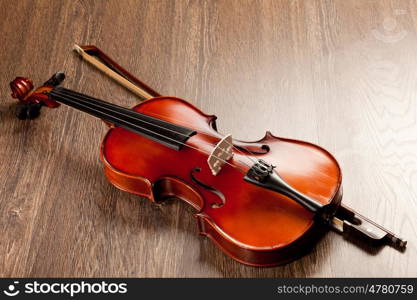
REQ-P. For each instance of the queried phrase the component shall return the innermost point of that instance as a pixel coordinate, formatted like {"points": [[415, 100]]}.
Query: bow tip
{"points": [[77, 48]]}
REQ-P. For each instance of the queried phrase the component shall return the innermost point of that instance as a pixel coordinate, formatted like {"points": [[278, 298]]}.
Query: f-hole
{"points": [[208, 188]]}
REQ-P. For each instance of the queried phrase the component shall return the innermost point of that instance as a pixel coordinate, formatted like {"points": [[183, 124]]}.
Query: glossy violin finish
{"points": [[264, 203], [254, 225]]}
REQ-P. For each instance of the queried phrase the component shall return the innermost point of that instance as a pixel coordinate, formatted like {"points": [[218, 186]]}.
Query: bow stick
{"points": [[104, 63]]}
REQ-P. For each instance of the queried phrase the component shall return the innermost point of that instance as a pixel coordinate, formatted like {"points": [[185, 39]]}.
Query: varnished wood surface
{"points": [[341, 74]]}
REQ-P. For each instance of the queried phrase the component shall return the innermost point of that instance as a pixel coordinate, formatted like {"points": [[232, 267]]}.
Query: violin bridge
{"points": [[221, 153]]}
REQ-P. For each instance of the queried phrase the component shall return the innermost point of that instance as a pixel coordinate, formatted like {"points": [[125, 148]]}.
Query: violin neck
{"points": [[163, 132]]}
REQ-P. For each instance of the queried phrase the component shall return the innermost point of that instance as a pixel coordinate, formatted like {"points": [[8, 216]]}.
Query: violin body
{"points": [[252, 225]]}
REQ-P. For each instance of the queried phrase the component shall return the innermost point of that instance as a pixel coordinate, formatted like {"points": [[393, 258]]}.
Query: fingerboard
{"points": [[163, 132]]}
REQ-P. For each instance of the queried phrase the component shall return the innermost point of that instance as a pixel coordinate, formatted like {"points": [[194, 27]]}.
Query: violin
{"points": [[263, 203]]}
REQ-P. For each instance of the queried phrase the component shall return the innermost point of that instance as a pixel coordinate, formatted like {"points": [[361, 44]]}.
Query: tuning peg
{"points": [[56, 79], [34, 110], [21, 111], [28, 111]]}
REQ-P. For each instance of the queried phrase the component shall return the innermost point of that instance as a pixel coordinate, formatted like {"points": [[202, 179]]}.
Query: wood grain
{"points": [[341, 74]]}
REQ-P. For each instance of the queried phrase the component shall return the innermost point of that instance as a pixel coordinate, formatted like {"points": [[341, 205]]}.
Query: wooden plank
{"points": [[341, 74]]}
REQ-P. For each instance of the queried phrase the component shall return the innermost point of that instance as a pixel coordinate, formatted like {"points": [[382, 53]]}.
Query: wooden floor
{"points": [[341, 74]]}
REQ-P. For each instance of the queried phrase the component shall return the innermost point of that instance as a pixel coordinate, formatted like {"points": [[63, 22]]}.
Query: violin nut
{"points": [[21, 87]]}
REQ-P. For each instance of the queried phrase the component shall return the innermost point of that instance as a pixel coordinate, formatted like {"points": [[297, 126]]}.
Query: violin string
{"points": [[208, 134], [138, 126], [110, 106], [66, 97], [129, 112]]}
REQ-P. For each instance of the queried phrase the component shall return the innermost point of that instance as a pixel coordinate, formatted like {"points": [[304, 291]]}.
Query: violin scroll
{"points": [[21, 87], [31, 102]]}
